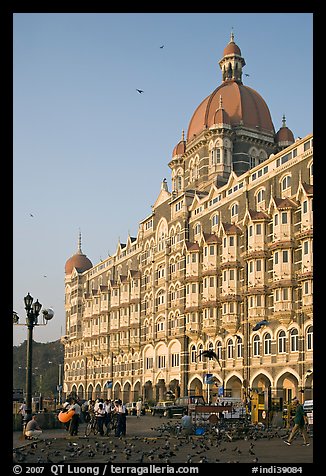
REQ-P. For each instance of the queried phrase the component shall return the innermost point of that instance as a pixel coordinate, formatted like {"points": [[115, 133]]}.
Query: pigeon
{"points": [[140, 91], [246, 74], [162, 46], [260, 324], [31, 215]]}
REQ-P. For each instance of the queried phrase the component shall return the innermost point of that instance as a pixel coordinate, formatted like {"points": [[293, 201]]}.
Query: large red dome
{"points": [[244, 106]]}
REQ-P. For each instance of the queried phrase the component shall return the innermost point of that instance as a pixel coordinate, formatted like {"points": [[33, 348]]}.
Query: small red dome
{"points": [[78, 261], [180, 148], [221, 117], [232, 49], [284, 135]]}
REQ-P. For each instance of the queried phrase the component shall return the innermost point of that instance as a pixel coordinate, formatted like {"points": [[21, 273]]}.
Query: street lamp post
{"points": [[32, 313]]}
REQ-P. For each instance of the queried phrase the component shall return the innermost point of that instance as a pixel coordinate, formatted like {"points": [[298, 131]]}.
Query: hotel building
{"points": [[223, 262]]}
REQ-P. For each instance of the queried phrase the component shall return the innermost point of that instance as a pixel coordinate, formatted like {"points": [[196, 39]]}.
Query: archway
{"points": [[137, 391], [148, 392], [196, 387], [98, 393], [126, 393], [90, 392]]}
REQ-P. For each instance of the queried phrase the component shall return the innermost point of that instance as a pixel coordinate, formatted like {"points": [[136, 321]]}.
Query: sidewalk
{"points": [[145, 438]]}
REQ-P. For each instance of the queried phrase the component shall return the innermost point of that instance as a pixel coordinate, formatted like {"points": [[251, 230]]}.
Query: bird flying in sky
{"points": [[162, 46], [140, 91], [31, 215]]}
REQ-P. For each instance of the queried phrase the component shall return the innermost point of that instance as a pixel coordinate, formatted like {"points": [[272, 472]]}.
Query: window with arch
{"points": [[286, 182], [219, 350], [309, 338], [160, 325], [160, 298], [256, 346], [193, 354], [200, 350], [239, 347], [294, 340], [197, 228], [215, 220], [281, 342], [216, 156], [234, 210], [311, 172], [260, 197], [160, 272], [210, 346], [230, 349], [178, 182], [267, 344]]}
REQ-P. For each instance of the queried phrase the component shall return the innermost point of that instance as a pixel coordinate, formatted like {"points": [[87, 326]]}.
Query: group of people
{"points": [[102, 410]]}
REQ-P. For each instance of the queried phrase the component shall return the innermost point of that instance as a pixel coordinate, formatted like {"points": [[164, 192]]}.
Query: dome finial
{"points": [[231, 36], [283, 121], [183, 135], [220, 102], [79, 250]]}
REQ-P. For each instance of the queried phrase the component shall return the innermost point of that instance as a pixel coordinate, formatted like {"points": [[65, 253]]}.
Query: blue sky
{"points": [[90, 152]]}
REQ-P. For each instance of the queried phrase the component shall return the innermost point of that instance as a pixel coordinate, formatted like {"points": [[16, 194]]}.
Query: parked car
{"points": [[183, 404], [161, 408], [131, 408]]}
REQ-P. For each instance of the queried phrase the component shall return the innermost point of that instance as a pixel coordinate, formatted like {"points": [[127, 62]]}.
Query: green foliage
{"points": [[45, 367]]}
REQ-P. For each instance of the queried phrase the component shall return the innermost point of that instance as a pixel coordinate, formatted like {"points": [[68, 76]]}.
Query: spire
{"points": [[231, 36], [183, 135], [79, 250], [283, 121], [164, 185]]}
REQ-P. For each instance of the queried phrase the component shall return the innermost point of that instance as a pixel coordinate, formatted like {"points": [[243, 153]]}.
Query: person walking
{"points": [[300, 421], [108, 412], [120, 409], [74, 422], [22, 410], [100, 417], [139, 407], [186, 424]]}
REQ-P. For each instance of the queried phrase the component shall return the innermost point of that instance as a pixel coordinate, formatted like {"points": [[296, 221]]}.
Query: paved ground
{"points": [[149, 441]]}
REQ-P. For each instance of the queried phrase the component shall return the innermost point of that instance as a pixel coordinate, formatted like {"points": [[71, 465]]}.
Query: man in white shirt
{"points": [[74, 422], [139, 407]]}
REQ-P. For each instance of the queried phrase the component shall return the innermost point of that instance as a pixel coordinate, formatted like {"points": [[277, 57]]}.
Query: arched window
{"points": [[219, 350], [200, 350], [234, 210], [281, 342], [197, 229], [267, 344], [260, 197], [179, 182], [286, 182], [214, 220], [230, 349], [193, 353], [210, 346], [294, 340], [239, 347], [309, 338], [256, 346]]}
